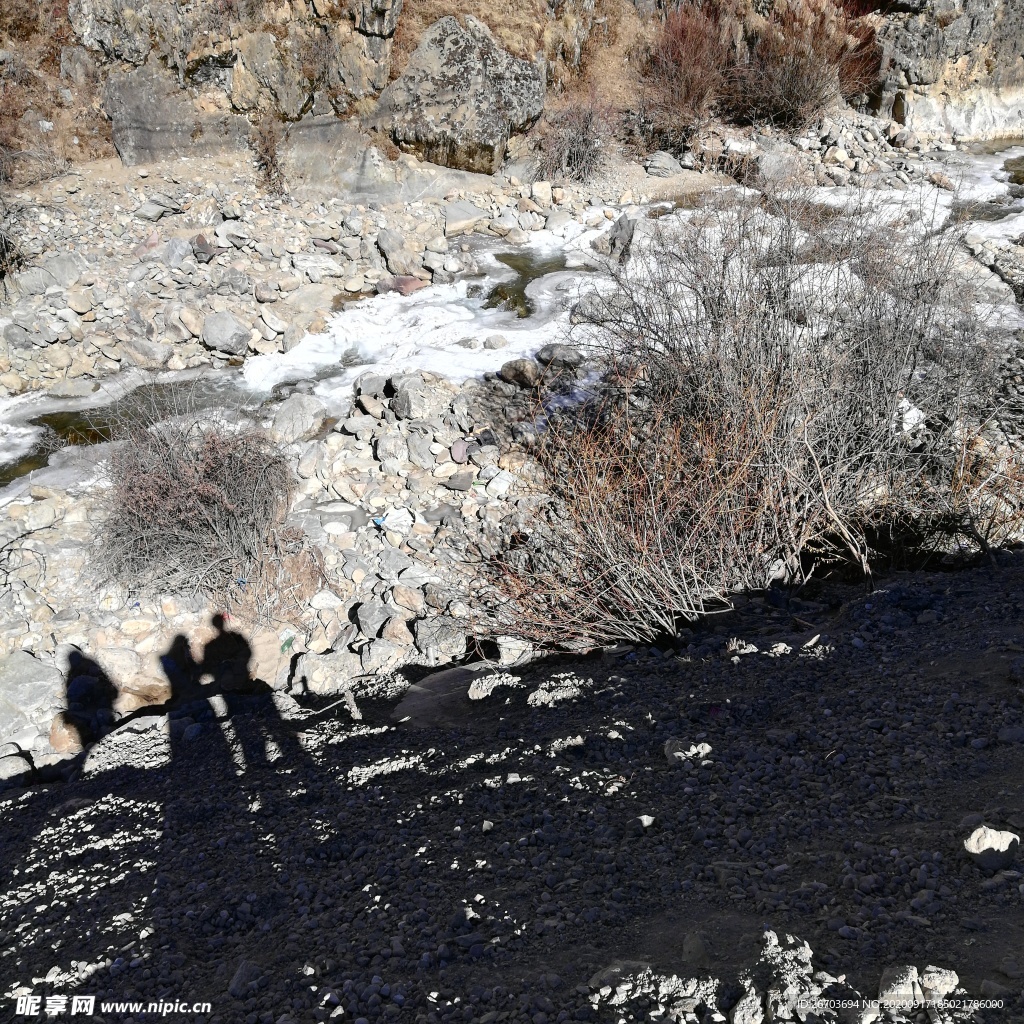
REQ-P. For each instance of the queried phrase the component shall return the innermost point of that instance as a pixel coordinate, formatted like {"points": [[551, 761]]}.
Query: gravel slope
{"points": [[486, 859]]}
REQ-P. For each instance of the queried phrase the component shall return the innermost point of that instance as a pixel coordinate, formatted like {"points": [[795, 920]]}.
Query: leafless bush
{"points": [[195, 505], [780, 385], [714, 59], [574, 139], [11, 256], [688, 72], [797, 65], [267, 135]]}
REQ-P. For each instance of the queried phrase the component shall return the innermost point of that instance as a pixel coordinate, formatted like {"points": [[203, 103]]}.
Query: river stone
{"points": [[460, 98], [415, 399], [298, 417], [65, 268], [224, 332], [560, 357], [662, 165], [461, 217], [524, 373]]}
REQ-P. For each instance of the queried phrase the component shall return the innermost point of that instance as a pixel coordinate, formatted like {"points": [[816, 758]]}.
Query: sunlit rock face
{"points": [[955, 66]]}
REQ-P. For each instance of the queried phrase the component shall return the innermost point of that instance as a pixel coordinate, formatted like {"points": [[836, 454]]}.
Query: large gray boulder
{"points": [[151, 119], [460, 98], [224, 332], [30, 692], [298, 417]]}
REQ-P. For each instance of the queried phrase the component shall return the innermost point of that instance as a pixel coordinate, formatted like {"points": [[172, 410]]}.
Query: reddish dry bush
{"points": [[779, 389], [692, 63], [798, 65], [785, 68]]}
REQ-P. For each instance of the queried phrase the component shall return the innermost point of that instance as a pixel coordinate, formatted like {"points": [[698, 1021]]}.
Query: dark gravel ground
{"points": [[482, 861]]}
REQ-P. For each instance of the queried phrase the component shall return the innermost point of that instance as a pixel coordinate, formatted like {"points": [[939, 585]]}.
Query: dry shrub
{"points": [[19, 20], [780, 388], [11, 255], [800, 63], [574, 138], [785, 68], [266, 138], [196, 506], [689, 68]]}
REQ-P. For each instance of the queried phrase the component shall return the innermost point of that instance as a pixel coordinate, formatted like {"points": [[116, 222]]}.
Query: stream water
{"points": [[518, 303]]}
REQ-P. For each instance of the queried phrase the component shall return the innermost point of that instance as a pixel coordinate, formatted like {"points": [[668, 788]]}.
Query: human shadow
{"points": [[88, 705], [158, 799]]}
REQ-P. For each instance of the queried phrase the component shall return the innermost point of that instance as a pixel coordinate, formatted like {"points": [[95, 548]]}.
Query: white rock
{"points": [[992, 850]]}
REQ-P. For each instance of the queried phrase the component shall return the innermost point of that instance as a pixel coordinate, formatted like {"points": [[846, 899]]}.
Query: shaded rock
{"points": [[382, 655], [246, 975], [439, 640], [560, 357]]}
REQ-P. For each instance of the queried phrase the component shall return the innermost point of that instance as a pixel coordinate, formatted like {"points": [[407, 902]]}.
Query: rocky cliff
{"points": [[955, 66], [181, 76], [190, 80]]}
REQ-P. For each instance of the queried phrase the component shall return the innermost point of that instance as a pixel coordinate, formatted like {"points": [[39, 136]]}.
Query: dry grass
{"points": [[37, 33], [266, 138], [780, 390]]}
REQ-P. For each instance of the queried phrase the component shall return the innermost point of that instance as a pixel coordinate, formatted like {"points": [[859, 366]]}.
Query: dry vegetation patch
{"points": [[197, 505], [780, 388], [45, 121], [720, 59]]}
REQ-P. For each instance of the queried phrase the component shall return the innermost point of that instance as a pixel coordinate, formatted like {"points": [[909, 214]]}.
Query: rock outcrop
{"points": [[955, 66], [152, 119], [460, 98], [193, 70]]}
